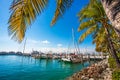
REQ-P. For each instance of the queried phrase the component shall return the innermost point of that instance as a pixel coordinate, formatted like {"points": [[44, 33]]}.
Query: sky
{"points": [[40, 35]]}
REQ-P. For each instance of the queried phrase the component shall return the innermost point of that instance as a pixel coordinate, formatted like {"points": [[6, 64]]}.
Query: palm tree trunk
{"points": [[109, 51], [113, 13], [112, 49]]}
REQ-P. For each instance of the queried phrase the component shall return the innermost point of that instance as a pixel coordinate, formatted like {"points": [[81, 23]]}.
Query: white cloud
{"points": [[60, 50], [33, 41], [45, 46], [59, 45], [45, 42], [54, 50]]}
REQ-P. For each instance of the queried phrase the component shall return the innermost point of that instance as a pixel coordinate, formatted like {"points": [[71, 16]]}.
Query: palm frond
{"points": [[24, 12], [85, 34], [89, 13], [100, 33], [86, 24], [62, 5]]}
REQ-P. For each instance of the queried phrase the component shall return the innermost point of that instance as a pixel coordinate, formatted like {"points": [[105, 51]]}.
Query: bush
{"points": [[112, 63], [116, 71], [116, 74]]}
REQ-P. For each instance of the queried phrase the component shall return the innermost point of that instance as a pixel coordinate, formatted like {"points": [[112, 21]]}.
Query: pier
{"points": [[73, 58]]}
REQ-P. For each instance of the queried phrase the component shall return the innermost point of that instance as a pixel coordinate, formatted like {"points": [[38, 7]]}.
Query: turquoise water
{"points": [[14, 67]]}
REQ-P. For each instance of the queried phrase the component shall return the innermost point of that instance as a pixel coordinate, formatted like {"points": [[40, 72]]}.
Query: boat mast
{"points": [[73, 37], [24, 45]]}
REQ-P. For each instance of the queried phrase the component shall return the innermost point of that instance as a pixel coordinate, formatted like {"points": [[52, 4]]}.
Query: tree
{"points": [[112, 9], [94, 21]]}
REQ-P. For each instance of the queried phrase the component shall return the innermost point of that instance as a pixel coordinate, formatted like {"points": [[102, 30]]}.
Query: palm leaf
{"points": [[86, 24], [89, 13], [85, 34], [23, 13], [62, 5]]}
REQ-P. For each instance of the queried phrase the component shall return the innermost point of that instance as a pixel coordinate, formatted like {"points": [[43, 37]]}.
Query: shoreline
{"points": [[97, 71]]}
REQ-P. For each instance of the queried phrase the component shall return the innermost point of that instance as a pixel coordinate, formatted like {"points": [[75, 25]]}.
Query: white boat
{"points": [[66, 59], [73, 58]]}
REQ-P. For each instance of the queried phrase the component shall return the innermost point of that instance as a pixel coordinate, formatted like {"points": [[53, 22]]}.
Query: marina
{"points": [[25, 67], [78, 58]]}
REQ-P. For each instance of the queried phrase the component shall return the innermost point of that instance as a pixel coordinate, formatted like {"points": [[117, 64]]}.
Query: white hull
{"points": [[66, 59]]}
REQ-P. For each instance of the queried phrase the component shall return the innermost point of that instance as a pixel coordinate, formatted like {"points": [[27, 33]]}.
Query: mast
{"points": [[73, 37], [24, 45]]}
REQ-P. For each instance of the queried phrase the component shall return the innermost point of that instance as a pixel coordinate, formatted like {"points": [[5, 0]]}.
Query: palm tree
{"points": [[112, 9], [94, 21], [24, 12]]}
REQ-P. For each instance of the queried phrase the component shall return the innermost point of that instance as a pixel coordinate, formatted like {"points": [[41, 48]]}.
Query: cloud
{"points": [[45, 42], [64, 50], [54, 50], [33, 41], [59, 45]]}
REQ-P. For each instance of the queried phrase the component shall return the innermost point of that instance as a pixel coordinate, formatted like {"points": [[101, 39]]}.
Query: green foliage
{"points": [[86, 24], [95, 22], [91, 18], [112, 63], [88, 31], [116, 71], [116, 74]]}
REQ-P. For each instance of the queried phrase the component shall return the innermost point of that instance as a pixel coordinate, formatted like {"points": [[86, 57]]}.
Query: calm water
{"points": [[14, 67]]}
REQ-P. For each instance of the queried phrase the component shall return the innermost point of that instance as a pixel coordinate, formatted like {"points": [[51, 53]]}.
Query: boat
{"points": [[73, 57], [43, 56], [66, 59], [56, 57]]}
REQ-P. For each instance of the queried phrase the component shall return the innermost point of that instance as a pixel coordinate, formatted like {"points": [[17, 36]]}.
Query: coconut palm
{"points": [[112, 9], [24, 12], [102, 45], [94, 21]]}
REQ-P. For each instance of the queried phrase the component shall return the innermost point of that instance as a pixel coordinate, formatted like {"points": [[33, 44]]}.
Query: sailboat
{"points": [[66, 59], [74, 58]]}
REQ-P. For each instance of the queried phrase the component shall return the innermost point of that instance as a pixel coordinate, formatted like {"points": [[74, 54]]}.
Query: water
{"points": [[14, 67]]}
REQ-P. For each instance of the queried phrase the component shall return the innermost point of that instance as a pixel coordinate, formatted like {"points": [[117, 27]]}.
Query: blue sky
{"points": [[40, 35]]}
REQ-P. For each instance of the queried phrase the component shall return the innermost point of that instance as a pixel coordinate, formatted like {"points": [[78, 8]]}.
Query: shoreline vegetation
{"points": [[114, 68]]}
